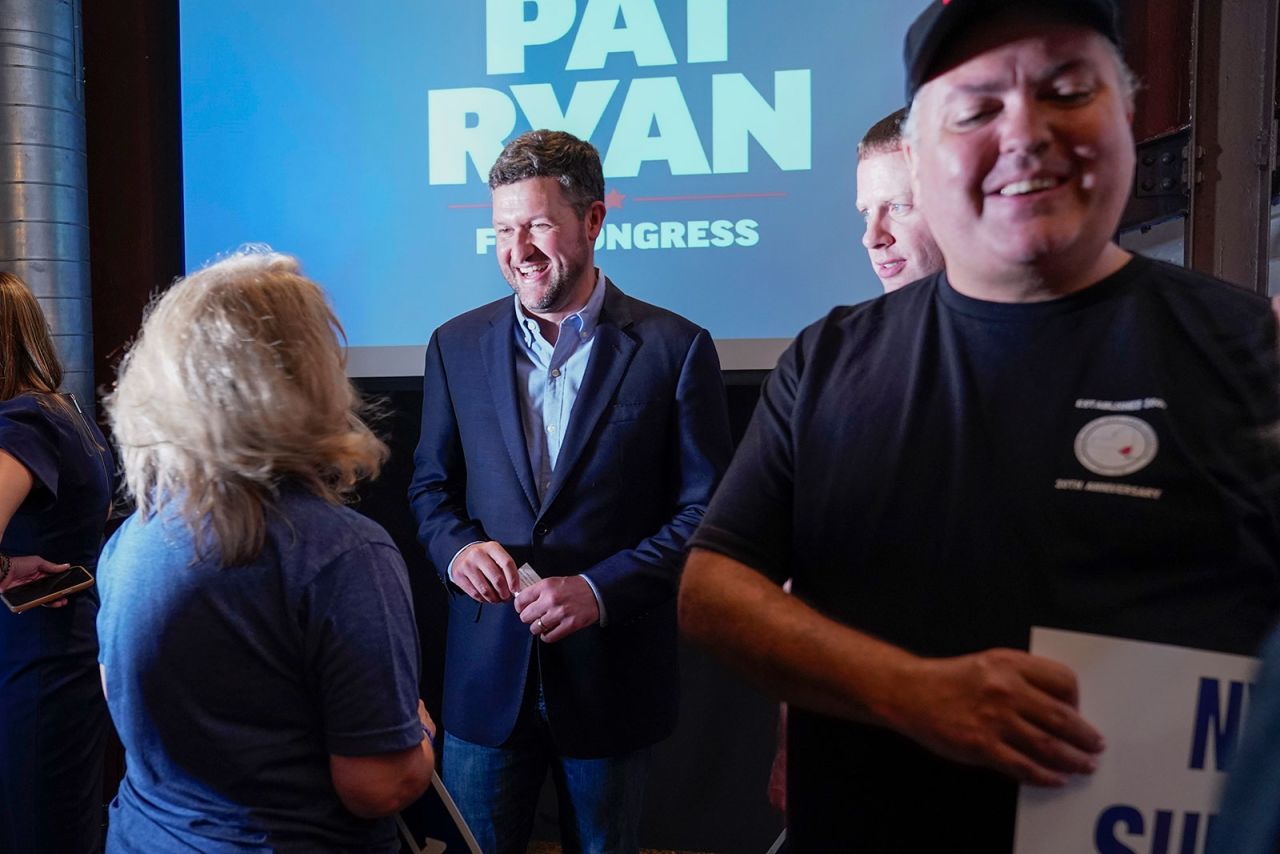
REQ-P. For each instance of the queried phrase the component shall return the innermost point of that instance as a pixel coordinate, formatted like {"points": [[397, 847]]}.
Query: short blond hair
{"points": [[883, 137], [235, 388]]}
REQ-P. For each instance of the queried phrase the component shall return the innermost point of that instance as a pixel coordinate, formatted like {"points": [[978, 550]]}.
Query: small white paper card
{"points": [[527, 576]]}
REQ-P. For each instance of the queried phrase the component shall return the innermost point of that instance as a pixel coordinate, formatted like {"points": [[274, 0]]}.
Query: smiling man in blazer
{"points": [[582, 432]]}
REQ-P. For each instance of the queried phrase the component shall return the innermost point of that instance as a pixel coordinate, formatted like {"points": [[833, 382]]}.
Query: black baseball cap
{"points": [[943, 20]]}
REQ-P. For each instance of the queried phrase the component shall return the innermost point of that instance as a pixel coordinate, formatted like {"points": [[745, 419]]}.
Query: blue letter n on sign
{"points": [[1210, 721]]}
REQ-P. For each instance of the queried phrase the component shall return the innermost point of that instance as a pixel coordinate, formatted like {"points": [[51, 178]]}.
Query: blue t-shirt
{"points": [[230, 687]]}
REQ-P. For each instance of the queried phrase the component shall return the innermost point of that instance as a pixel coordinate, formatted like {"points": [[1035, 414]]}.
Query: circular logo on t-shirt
{"points": [[1116, 445]]}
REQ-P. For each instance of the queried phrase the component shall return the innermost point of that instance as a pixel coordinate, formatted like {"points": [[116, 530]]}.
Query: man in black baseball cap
{"points": [[1049, 432]]}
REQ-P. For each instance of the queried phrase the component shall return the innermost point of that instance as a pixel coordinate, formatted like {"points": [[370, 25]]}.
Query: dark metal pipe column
{"points": [[43, 202]]}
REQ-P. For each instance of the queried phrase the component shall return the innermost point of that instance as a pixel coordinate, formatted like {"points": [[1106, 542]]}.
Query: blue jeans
{"points": [[497, 788]]}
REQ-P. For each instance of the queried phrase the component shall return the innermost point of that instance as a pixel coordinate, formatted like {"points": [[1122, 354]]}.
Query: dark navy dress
{"points": [[53, 717]]}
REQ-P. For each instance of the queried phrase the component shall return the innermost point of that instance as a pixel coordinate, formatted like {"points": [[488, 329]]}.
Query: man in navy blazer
{"points": [[582, 432]]}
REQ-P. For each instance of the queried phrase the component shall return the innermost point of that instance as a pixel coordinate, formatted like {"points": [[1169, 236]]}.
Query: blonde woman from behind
{"points": [[258, 643]]}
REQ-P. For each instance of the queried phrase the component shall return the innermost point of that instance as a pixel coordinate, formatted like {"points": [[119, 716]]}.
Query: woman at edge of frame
{"points": [[55, 495]]}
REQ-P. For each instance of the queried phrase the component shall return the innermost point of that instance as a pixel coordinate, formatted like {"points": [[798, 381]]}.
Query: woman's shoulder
{"points": [[317, 541], [340, 524], [24, 407], [33, 420], [26, 422], [50, 413]]}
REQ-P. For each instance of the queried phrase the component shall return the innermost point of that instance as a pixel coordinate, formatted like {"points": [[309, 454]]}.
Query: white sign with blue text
{"points": [[1170, 716]]}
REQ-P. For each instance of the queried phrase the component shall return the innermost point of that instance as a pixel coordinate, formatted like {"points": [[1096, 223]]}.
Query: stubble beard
{"points": [[559, 288]]}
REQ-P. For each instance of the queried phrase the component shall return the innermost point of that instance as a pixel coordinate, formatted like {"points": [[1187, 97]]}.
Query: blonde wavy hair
{"points": [[235, 387]]}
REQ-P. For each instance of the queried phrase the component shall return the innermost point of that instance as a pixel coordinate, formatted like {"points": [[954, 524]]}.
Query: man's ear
{"points": [[595, 220]]}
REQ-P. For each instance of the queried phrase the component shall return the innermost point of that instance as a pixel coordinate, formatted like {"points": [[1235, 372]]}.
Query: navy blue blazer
{"points": [[647, 442]]}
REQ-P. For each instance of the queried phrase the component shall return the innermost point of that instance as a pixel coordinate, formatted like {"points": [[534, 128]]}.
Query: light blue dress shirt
{"points": [[548, 378]]}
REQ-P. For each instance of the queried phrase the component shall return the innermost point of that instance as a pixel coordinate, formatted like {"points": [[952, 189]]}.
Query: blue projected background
{"points": [[356, 136]]}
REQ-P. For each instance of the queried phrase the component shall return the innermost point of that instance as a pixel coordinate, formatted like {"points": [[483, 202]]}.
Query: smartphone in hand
{"points": [[49, 588]]}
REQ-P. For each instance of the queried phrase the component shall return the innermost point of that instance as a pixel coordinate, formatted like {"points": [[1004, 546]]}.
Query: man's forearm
{"points": [[786, 647], [999, 708]]}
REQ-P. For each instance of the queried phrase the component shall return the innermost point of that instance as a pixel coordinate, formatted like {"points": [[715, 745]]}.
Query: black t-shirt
{"points": [[945, 473]]}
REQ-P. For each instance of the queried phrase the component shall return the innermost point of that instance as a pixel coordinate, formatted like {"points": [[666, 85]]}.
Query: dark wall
{"points": [[134, 149]]}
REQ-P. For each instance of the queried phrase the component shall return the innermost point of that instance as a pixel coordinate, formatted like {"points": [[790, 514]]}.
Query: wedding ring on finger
{"points": [[542, 627]]}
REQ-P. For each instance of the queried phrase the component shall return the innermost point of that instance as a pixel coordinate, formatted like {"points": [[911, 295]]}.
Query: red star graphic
{"points": [[613, 199]]}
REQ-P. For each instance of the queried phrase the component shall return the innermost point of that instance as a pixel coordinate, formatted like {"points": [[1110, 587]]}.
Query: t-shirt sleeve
{"points": [[362, 649], [750, 517], [27, 435]]}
